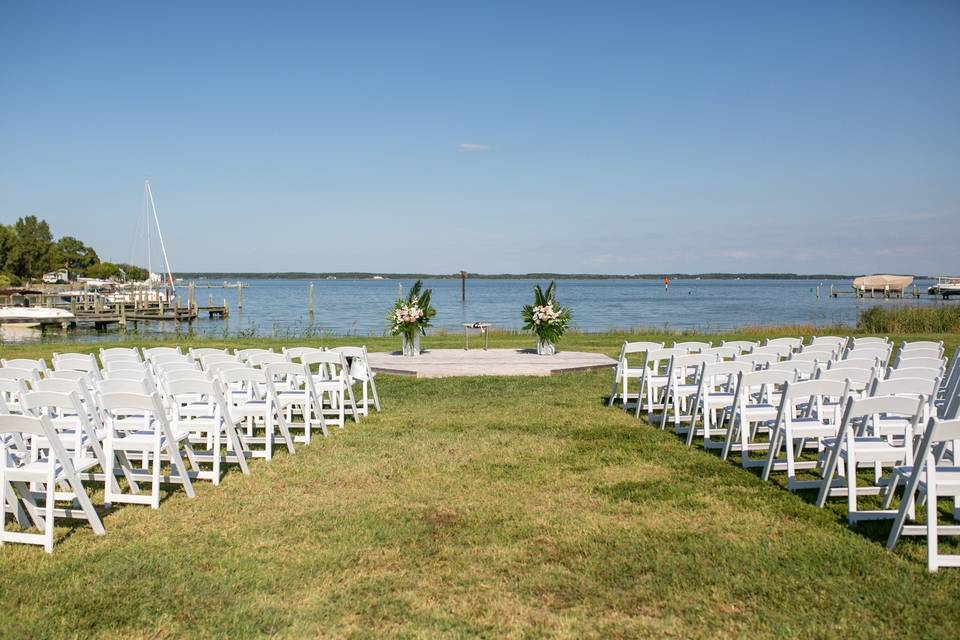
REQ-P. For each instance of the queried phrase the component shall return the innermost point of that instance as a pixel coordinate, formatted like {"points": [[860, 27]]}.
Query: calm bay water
{"points": [[358, 307]]}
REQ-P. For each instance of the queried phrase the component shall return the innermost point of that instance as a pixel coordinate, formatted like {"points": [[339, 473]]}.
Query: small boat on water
{"points": [[882, 284], [946, 286], [34, 316]]}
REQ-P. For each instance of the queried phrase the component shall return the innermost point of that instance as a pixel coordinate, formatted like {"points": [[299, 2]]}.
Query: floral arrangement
{"points": [[545, 318], [411, 316]]}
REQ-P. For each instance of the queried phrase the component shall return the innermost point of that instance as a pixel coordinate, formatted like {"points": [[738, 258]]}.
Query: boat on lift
{"points": [[882, 284], [946, 286]]}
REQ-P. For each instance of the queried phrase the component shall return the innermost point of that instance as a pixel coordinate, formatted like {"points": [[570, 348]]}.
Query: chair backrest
{"points": [[40, 366], [105, 387], [856, 363], [921, 344], [743, 345], [145, 406], [928, 363], [264, 359], [878, 351], [37, 426], [160, 359], [69, 374], [284, 369], [825, 388], [331, 364], [119, 353], [185, 374], [152, 352], [245, 375], [190, 389], [759, 360], [906, 386], [215, 368], [243, 354], [920, 353], [779, 350], [37, 401], [208, 359], [860, 379], [791, 343], [723, 353], [75, 361], [820, 355], [18, 373], [833, 342], [57, 385], [126, 374], [185, 365], [692, 346], [125, 365], [196, 354], [926, 373], [681, 364], [766, 377], [904, 406], [803, 368], [11, 391], [295, 353], [869, 340], [633, 347], [657, 358]]}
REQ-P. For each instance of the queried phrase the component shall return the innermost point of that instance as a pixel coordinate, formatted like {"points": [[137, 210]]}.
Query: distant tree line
{"points": [[359, 275], [28, 250]]}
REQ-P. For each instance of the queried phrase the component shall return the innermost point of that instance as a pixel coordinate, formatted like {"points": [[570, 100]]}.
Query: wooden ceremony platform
{"points": [[443, 363]]}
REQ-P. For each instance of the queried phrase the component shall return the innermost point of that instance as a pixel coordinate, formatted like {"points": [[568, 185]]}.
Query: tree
{"points": [[74, 255], [28, 255], [6, 242]]}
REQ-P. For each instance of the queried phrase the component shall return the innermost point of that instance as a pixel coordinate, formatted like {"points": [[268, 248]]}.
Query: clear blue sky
{"points": [[515, 136]]}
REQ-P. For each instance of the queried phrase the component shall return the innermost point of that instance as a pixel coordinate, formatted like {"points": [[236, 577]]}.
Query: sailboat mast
{"points": [[146, 227], [163, 248]]}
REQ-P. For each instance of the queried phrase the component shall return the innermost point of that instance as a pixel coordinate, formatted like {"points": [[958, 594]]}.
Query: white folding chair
{"points": [[753, 411], [247, 394], [623, 372], [19, 470], [198, 407], [361, 371], [714, 398], [653, 377], [809, 412], [330, 381], [291, 390], [929, 480], [683, 382], [857, 445], [148, 433]]}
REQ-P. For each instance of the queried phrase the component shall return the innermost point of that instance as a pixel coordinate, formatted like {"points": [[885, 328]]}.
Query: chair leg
{"points": [[376, 397]]}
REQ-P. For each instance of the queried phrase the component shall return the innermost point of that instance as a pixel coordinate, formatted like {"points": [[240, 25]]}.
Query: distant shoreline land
{"points": [[352, 275]]}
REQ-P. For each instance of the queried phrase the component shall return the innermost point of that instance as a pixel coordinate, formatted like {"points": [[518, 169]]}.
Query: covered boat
{"points": [[882, 283]]}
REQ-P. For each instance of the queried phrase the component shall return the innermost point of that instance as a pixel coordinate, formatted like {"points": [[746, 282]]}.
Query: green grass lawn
{"points": [[519, 507]]}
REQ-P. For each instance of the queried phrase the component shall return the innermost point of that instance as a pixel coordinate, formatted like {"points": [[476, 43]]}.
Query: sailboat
{"points": [[157, 286]]}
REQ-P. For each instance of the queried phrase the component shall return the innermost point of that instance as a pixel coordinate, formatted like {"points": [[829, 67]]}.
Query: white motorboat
{"points": [[946, 286], [34, 316]]}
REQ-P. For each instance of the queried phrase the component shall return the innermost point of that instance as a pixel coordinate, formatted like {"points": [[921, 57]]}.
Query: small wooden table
{"points": [[479, 326]]}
